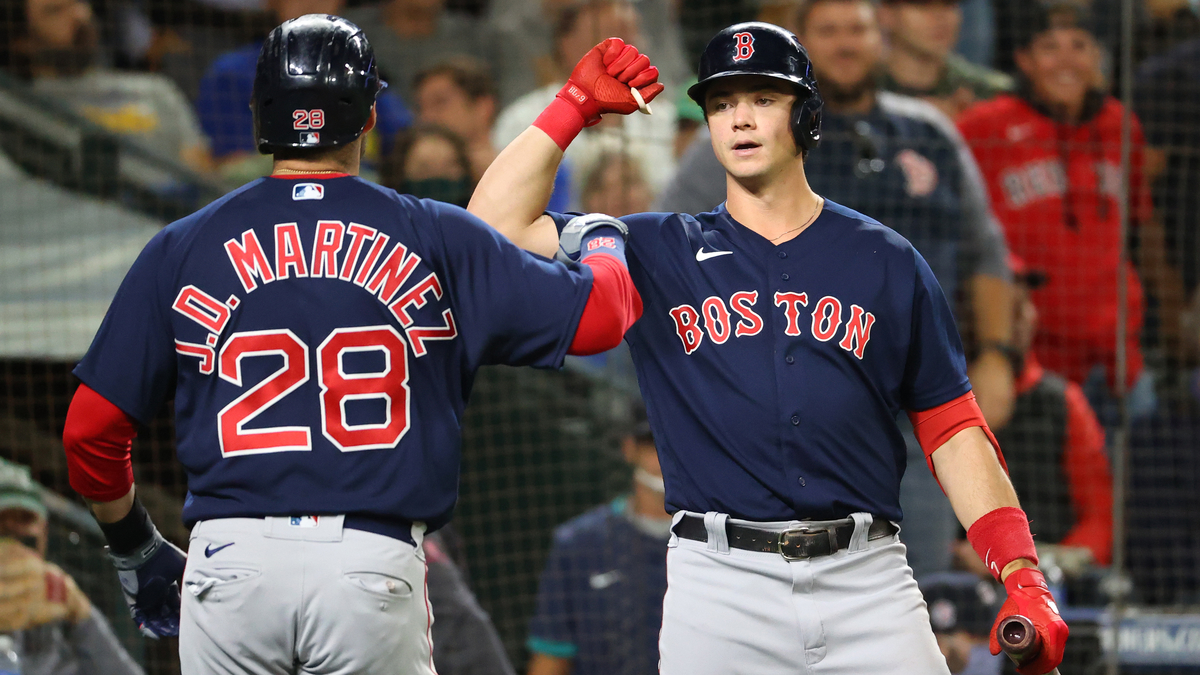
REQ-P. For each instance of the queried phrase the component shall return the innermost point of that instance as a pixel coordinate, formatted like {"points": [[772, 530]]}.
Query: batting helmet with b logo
{"points": [[757, 48], [315, 84]]}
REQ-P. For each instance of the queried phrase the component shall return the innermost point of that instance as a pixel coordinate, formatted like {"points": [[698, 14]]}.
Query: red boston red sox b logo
{"points": [[743, 46]]}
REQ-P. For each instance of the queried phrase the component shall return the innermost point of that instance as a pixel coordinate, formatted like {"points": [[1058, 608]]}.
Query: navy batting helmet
{"points": [[315, 84], [757, 48]]}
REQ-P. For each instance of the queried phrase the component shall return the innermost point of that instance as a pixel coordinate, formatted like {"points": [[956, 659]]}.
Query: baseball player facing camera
{"points": [[782, 336], [319, 335]]}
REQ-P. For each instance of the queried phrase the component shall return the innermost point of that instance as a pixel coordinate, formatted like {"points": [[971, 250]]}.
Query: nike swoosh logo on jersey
{"points": [[701, 256], [209, 551], [604, 579]]}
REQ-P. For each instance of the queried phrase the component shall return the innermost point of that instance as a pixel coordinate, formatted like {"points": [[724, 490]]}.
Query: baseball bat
{"points": [[1020, 641], [642, 105]]}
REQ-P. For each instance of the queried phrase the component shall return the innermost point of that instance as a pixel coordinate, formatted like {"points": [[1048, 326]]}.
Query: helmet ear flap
{"points": [[806, 119]]}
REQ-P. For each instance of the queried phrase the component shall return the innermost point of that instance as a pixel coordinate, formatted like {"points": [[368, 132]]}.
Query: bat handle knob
{"points": [[1018, 637]]}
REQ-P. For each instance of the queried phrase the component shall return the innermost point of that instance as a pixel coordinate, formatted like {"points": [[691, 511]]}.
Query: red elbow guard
{"points": [[97, 437], [936, 426]]}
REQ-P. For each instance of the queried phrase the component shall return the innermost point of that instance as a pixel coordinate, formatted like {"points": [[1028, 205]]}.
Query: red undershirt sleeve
{"points": [[1086, 466], [612, 307], [97, 437], [935, 426]]}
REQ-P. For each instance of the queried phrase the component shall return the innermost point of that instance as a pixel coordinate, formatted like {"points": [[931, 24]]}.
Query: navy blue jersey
{"points": [[773, 375], [600, 597], [320, 339]]}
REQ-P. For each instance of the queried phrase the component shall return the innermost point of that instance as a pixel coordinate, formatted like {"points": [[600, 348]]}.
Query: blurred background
{"points": [[1043, 156]]}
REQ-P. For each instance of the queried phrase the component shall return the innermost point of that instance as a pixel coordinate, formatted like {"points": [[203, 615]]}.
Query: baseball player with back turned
{"points": [[320, 335], [782, 335]]}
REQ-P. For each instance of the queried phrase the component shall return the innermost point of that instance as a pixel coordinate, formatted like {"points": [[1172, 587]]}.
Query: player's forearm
{"points": [[970, 472], [972, 476], [514, 191]]}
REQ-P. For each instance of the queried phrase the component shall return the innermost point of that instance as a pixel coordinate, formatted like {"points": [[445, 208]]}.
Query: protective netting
{"points": [[1067, 134]]}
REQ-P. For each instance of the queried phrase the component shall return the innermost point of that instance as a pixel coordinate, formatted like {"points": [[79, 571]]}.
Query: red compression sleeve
{"points": [[1001, 536], [937, 425], [1086, 466], [612, 307], [97, 438]]}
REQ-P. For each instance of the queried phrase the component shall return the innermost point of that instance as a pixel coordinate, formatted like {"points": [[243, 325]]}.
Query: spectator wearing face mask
{"points": [[459, 95], [430, 162], [600, 597]]}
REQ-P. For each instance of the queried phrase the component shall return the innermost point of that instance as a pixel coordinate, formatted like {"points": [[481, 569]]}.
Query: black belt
{"points": [[800, 543]]}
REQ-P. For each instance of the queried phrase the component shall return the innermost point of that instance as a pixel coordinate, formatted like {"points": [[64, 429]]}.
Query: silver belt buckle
{"points": [[786, 537]]}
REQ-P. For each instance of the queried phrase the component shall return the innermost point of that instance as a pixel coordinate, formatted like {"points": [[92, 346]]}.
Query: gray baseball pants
{"points": [[855, 612], [290, 596]]}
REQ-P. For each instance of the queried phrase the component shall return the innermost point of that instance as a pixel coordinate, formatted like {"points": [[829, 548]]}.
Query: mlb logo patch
{"points": [[303, 191], [310, 138], [305, 521]]}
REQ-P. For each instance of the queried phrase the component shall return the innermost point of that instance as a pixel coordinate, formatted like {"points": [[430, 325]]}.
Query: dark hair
{"points": [[14, 25], [391, 170], [1040, 16], [800, 13], [467, 73]]}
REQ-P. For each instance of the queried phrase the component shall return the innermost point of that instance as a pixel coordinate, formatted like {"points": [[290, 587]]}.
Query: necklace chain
{"points": [[820, 200], [305, 171]]}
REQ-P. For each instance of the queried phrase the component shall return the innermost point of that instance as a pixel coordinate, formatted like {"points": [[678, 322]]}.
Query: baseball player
{"points": [[319, 335], [782, 335]]}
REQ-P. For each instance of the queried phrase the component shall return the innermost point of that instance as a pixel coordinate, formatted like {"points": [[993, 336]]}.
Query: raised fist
{"points": [[1028, 596], [602, 80]]}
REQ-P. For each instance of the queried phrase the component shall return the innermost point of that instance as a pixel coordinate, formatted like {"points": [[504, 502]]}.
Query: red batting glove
{"points": [[601, 80], [599, 84], [1029, 597]]}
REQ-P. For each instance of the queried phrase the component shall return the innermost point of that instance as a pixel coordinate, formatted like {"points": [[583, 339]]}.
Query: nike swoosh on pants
{"points": [[209, 551]]}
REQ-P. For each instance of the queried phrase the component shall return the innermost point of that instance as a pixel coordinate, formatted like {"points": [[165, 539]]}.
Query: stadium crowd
{"points": [[988, 133]]}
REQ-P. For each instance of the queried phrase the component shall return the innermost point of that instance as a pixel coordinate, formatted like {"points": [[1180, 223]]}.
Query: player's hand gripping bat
{"points": [[1029, 625], [1019, 641]]}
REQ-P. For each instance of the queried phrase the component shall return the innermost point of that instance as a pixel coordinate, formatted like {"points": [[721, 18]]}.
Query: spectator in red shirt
{"points": [[1054, 447], [1051, 158]]}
